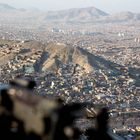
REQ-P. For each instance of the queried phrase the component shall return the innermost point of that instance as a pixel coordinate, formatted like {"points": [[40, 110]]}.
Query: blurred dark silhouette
{"points": [[6, 102], [58, 126], [101, 132], [22, 83], [66, 117]]}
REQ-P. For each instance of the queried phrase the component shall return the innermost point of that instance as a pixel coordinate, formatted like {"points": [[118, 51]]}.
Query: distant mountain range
{"points": [[76, 15]]}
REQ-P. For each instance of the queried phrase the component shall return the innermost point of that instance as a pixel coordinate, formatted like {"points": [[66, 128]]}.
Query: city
{"points": [[93, 64]]}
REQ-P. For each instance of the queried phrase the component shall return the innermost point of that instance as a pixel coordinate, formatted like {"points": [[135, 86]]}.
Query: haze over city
{"points": [[106, 5]]}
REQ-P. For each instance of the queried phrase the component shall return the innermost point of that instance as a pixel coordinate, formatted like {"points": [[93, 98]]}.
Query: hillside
{"points": [[50, 57], [63, 54]]}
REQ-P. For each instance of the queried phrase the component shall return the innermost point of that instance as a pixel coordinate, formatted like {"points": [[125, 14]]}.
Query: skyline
{"points": [[105, 5]]}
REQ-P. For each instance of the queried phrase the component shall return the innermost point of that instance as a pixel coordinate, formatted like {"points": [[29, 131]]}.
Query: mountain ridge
{"points": [[73, 15]]}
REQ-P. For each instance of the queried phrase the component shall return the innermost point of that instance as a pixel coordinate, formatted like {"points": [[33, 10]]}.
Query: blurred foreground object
{"points": [[26, 116], [23, 115], [138, 138]]}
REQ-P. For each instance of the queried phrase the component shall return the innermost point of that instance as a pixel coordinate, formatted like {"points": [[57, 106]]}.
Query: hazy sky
{"points": [[106, 5]]}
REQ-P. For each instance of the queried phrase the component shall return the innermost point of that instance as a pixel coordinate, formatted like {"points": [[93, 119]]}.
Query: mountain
{"points": [[10, 14], [122, 17], [77, 14], [6, 7]]}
